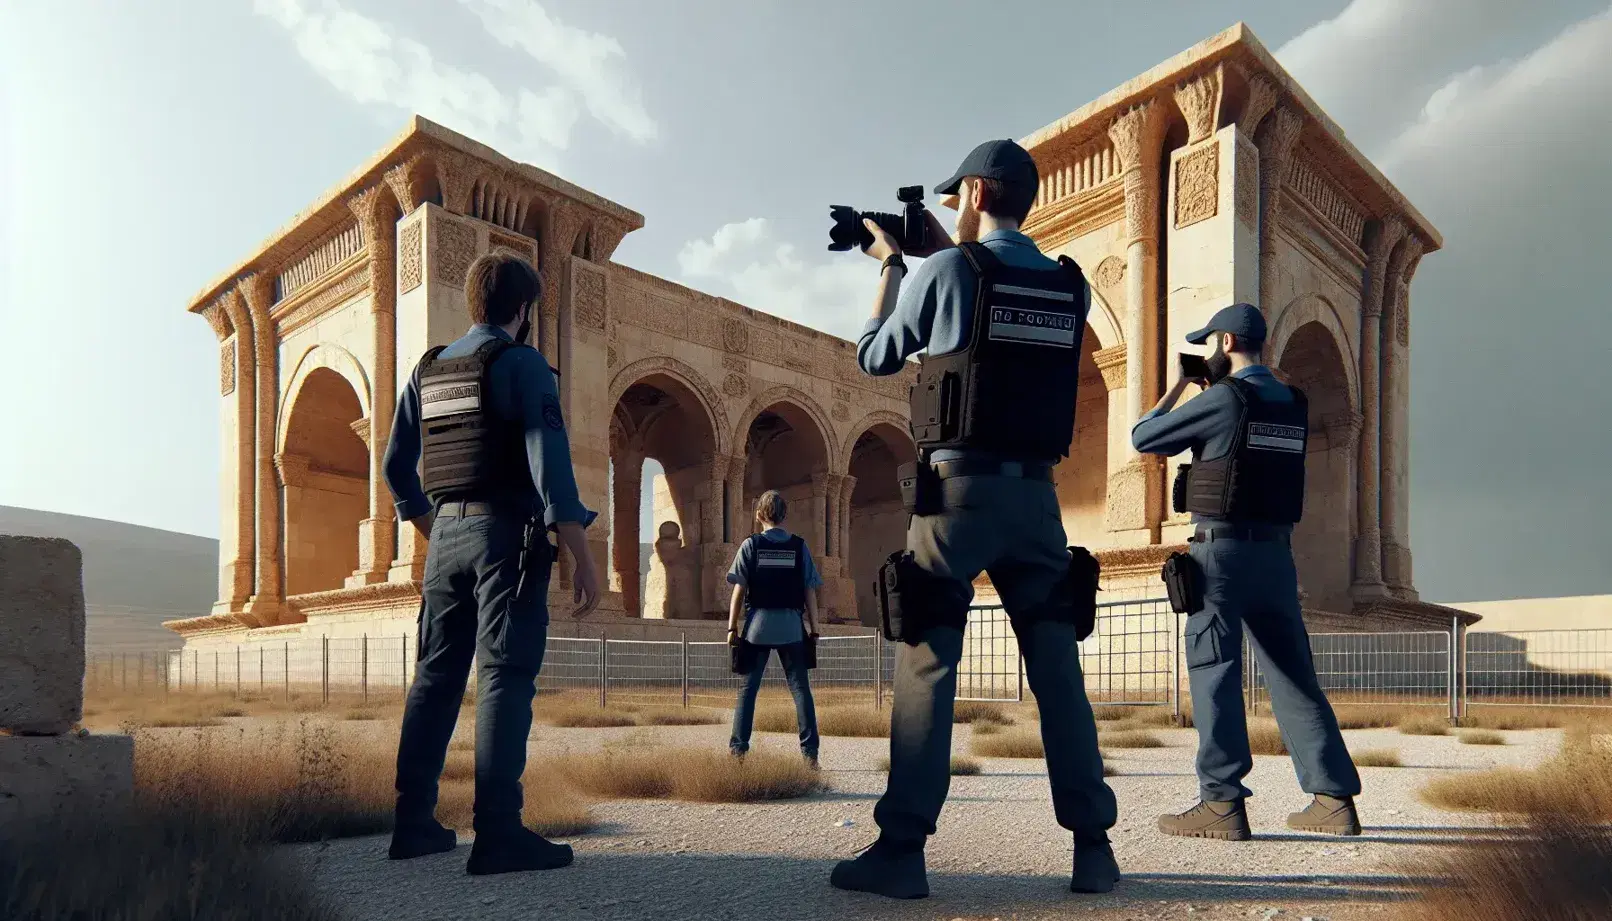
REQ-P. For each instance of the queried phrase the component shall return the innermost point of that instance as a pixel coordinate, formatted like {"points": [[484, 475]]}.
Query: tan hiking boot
{"points": [[1221, 821], [1328, 815]]}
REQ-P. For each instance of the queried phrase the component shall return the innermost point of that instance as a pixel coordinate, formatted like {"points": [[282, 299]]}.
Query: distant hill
{"points": [[134, 577]]}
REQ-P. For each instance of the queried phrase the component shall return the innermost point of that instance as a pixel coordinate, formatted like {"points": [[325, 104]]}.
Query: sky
{"points": [[147, 148]]}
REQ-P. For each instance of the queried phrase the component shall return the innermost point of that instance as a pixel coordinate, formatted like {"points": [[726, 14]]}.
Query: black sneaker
{"points": [[884, 868], [1096, 870], [419, 840], [516, 852]]}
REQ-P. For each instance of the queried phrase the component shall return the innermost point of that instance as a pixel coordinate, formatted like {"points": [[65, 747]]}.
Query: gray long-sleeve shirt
{"points": [[522, 388]]}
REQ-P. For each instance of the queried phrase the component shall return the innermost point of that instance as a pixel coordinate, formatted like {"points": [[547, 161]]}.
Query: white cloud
{"points": [[589, 64], [747, 262]]}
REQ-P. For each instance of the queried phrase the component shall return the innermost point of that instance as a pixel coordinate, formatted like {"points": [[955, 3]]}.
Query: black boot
{"points": [[418, 839], [887, 868], [516, 851], [1096, 870]]}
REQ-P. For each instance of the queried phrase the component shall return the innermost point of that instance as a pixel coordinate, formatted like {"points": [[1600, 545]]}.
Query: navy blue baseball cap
{"points": [[1241, 320], [1004, 161]]}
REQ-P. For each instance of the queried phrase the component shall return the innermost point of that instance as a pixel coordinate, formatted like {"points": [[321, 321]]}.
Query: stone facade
{"points": [[1211, 179]]}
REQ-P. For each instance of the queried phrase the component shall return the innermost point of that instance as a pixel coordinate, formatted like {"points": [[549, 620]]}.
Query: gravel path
{"points": [[998, 854]]}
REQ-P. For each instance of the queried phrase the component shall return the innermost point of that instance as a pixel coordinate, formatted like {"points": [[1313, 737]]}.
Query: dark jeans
{"points": [[469, 609], [1254, 584], [793, 659], [1012, 529]]}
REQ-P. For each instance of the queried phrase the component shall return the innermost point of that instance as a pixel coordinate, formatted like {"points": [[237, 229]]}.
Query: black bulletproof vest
{"points": [[776, 577], [468, 452], [1012, 390], [1261, 480]]}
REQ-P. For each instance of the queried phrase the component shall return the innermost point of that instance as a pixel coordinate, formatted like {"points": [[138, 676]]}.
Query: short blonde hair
{"points": [[772, 507]]}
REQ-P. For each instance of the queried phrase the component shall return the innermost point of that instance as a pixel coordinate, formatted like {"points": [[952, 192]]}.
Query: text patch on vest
{"points": [[1272, 437], [776, 559], [450, 398], [1032, 327]]}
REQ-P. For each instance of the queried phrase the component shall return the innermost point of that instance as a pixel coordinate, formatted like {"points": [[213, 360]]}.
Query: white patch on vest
{"points": [[776, 559], [1032, 327], [1034, 292], [450, 398], [1272, 437]]}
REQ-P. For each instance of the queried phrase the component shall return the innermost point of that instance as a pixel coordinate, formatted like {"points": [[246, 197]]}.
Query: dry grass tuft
{"points": [[849, 721], [1563, 871], [1133, 717], [962, 766], [986, 729], [589, 718], [1018, 743], [1378, 757], [1131, 738], [978, 712], [1577, 781], [673, 717], [363, 714], [1264, 738], [1481, 737], [460, 765], [1367, 717], [1424, 726], [694, 774]]}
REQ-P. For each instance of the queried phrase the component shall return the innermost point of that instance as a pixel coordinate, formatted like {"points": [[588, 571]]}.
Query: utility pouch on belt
{"points": [[811, 651], [742, 655], [900, 605], [1183, 581], [536, 564], [1081, 585], [920, 489], [1178, 489]]}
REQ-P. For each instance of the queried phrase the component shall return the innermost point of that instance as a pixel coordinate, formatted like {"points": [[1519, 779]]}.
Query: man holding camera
{"points": [[1247, 433], [1000, 325], [481, 417]]}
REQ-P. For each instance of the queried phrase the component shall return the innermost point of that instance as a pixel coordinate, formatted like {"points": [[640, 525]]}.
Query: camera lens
{"points": [[847, 230]]}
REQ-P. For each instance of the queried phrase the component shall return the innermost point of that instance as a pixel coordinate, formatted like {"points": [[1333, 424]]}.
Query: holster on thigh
{"points": [[1074, 599], [1183, 582], [912, 600]]}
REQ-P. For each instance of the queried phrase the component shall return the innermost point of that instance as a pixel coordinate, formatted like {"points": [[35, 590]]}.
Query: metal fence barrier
{"points": [[1134, 657]]}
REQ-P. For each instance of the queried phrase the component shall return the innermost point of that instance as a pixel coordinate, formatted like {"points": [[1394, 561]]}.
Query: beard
{"points": [[968, 225], [1219, 364]]}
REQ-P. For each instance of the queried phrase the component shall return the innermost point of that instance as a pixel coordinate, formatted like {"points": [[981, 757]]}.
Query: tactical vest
{"points": [[776, 577], [1261, 480], [1012, 390], [468, 452]]}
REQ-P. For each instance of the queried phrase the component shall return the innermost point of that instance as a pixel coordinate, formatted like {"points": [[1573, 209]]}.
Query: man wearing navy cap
{"points": [[1245, 489], [1000, 327]]}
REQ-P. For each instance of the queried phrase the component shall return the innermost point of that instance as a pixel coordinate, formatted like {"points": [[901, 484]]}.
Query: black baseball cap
{"points": [[1241, 320], [1004, 161]]}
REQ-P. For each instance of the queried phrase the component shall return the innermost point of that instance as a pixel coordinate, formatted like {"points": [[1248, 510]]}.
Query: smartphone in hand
{"points": [[1193, 367]]}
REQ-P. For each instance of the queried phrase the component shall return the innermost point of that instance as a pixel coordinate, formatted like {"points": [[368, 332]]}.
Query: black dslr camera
{"points": [[909, 227]]}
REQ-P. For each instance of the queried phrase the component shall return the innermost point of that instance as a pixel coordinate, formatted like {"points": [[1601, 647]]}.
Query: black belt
{"points": [[462, 509], [948, 469], [1238, 532]]}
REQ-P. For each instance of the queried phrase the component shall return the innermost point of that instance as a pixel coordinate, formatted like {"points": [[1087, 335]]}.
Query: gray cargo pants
{"points": [[1254, 583], [1012, 529]]}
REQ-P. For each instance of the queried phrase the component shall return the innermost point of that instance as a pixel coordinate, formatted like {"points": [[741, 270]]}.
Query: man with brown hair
{"points": [[481, 418]]}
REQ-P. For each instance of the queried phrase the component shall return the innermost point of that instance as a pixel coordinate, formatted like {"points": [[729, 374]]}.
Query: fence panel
{"points": [[644, 671], [1131, 658], [1541, 668], [1403, 669]]}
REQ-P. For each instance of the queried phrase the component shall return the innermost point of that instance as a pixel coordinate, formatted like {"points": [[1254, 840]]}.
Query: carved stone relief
{"points": [[735, 335], [226, 369], [1110, 273], [841, 412], [735, 385], [588, 296], [735, 363], [410, 265], [521, 246], [610, 357], [452, 251], [1247, 166], [842, 394], [1197, 185]]}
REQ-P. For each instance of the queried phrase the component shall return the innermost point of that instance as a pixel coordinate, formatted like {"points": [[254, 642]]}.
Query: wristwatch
{"points": [[894, 260]]}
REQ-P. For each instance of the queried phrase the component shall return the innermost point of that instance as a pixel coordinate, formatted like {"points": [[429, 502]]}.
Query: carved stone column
{"points": [[1368, 578], [237, 385], [376, 211], [820, 489], [1138, 137], [267, 605], [564, 222], [843, 543], [1276, 151], [627, 456], [739, 517], [1199, 101], [1395, 453]]}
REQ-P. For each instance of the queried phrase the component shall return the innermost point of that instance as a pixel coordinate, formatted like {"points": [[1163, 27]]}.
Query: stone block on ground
{"points": [[41, 634], [43, 776]]}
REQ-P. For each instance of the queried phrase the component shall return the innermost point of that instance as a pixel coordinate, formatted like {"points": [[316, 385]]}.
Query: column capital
{"points": [[292, 469], [1405, 258], [1111, 364], [457, 175], [360, 428], [406, 180], [1199, 100], [1138, 135], [256, 290], [1261, 98], [218, 318], [1386, 235]]}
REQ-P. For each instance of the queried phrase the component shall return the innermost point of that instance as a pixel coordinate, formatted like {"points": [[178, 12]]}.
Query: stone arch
{"points": [[842, 463], [868, 521], [322, 355], [1103, 322], [324, 476], [1313, 308], [799, 400], [684, 374]]}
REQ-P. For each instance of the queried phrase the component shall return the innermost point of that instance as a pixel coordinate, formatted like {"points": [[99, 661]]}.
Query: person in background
{"points": [[774, 607]]}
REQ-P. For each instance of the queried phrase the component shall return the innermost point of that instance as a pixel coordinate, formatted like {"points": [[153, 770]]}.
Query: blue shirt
{"points": [[521, 385], [935, 312], [773, 626], [1207, 422]]}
